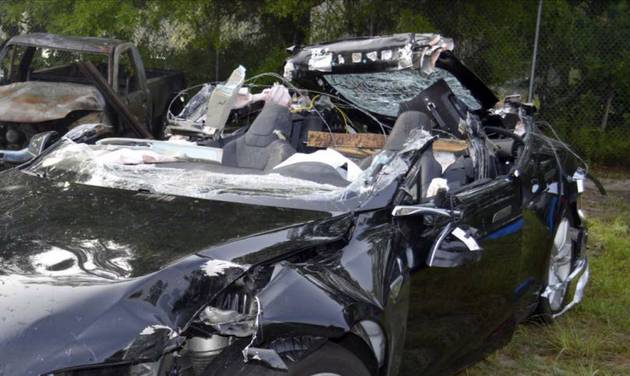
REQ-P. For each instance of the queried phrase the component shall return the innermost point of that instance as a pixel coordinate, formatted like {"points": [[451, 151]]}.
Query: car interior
{"points": [[470, 146]]}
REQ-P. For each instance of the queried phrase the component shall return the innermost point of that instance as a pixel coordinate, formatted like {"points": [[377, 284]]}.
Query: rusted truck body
{"points": [[42, 87]]}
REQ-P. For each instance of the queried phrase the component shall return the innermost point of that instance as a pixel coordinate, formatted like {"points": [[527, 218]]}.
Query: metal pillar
{"points": [[532, 74]]}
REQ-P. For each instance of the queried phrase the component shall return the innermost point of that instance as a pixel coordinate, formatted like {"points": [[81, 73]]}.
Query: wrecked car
{"points": [[379, 212], [43, 88]]}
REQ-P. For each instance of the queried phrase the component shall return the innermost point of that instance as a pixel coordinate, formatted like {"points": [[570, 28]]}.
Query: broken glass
{"points": [[381, 92], [158, 172]]}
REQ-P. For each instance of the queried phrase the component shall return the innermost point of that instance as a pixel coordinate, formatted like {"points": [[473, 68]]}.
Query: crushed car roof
{"points": [[393, 52], [85, 44], [422, 52]]}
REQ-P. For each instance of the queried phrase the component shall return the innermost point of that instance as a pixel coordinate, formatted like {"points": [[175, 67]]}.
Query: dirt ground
{"points": [[618, 188]]}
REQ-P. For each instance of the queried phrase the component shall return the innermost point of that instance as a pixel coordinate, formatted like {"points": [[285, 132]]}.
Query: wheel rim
{"points": [[560, 265]]}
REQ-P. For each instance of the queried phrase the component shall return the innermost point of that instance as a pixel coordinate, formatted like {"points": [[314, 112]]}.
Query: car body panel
{"points": [[36, 102], [100, 276], [78, 260]]}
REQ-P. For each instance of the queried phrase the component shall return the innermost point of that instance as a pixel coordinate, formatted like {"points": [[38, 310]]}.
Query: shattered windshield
{"points": [[381, 92], [169, 171]]}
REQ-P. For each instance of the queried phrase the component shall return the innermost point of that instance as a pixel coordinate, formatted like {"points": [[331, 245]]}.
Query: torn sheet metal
{"points": [[467, 238], [35, 101], [577, 282], [431, 51], [395, 52], [229, 323], [84, 164], [405, 57], [320, 60], [288, 70], [142, 317], [267, 356]]}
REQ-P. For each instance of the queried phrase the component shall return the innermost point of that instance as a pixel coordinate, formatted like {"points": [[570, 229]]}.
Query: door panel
{"points": [[456, 314]]}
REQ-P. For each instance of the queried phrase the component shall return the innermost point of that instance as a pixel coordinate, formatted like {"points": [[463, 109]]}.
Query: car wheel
{"points": [[561, 262], [330, 360]]}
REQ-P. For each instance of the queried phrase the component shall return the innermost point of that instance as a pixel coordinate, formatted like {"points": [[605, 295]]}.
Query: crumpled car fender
{"points": [[337, 293], [143, 321]]}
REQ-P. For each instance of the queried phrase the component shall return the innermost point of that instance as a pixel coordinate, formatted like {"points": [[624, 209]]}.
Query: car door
{"points": [[462, 308]]}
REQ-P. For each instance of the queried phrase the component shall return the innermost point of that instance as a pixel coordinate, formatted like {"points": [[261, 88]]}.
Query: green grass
{"points": [[594, 337]]}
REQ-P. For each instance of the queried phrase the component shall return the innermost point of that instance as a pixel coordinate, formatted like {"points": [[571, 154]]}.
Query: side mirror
{"points": [[40, 142]]}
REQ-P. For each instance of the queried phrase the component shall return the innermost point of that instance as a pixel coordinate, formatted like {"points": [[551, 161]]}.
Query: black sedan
{"points": [[307, 242]]}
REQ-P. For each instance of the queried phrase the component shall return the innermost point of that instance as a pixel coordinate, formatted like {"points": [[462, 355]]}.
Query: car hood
{"points": [[35, 102], [91, 275]]}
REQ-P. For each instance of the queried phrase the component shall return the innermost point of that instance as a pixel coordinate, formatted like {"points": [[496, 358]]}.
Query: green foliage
{"points": [[581, 78]]}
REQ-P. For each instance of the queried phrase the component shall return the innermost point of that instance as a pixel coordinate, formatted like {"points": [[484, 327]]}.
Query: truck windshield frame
{"points": [[19, 62]]}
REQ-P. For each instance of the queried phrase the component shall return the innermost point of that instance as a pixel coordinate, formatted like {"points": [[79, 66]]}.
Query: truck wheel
{"points": [[330, 360]]}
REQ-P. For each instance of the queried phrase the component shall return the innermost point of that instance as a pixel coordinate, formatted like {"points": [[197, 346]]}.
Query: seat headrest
{"points": [[405, 123], [272, 117]]}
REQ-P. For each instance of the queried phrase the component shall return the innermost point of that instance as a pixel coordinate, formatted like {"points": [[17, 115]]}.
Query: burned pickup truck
{"points": [[378, 212], [42, 88]]}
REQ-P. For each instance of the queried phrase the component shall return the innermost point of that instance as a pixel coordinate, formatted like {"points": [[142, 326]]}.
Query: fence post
{"points": [[530, 94]]}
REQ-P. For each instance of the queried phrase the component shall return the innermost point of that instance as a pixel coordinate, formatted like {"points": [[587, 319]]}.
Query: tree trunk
{"points": [[604, 123]]}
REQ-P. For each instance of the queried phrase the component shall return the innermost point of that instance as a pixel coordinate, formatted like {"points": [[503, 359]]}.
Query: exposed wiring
{"points": [[169, 113], [332, 136], [312, 104], [352, 106], [290, 85], [348, 125], [299, 92], [279, 77], [343, 117], [561, 172], [564, 144]]}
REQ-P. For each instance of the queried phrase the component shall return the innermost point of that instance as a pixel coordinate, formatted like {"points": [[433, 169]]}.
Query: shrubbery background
{"points": [[582, 80]]}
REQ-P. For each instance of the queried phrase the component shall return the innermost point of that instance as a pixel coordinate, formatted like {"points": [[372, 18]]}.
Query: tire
{"points": [[330, 360], [562, 257]]}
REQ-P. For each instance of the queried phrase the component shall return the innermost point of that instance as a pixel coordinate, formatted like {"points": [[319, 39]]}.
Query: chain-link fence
{"points": [[582, 76]]}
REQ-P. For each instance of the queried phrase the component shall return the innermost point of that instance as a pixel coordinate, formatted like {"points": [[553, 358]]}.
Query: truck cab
{"points": [[42, 87]]}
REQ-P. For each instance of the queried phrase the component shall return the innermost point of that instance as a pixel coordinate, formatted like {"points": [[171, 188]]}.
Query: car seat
{"points": [[404, 125], [264, 145]]}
